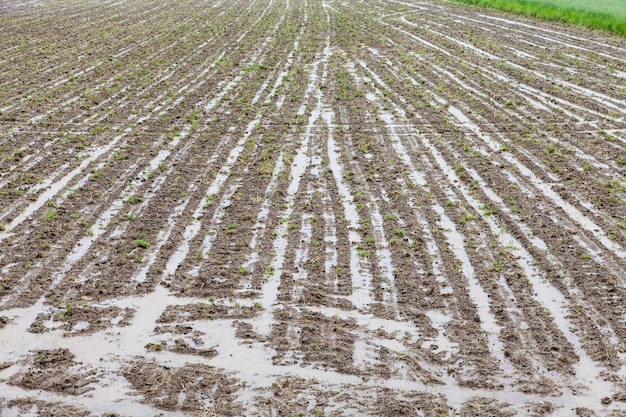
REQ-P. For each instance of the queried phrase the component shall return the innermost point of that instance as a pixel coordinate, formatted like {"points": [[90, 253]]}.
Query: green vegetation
{"points": [[608, 15], [140, 243], [608, 7], [389, 216], [61, 315], [51, 215]]}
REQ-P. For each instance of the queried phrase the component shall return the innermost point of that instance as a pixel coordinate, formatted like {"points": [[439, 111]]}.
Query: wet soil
{"points": [[319, 208]]}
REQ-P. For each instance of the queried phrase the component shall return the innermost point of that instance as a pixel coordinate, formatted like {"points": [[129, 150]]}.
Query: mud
{"points": [[309, 208]]}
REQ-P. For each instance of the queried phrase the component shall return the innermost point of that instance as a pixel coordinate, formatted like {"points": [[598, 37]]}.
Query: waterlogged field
{"points": [[280, 207]]}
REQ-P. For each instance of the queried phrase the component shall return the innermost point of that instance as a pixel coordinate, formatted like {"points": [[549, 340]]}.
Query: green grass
{"points": [[140, 243], [615, 8], [608, 15]]}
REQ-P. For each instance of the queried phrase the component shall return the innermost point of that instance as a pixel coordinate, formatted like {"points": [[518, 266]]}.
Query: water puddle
{"points": [[444, 345], [545, 188], [56, 187], [210, 236], [102, 223], [301, 162], [476, 292], [587, 370], [258, 230], [361, 279]]}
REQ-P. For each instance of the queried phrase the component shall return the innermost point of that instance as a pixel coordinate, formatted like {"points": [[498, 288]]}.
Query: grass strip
{"points": [[549, 11]]}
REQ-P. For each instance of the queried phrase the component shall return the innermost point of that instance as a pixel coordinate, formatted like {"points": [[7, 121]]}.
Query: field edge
{"points": [[547, 11]]}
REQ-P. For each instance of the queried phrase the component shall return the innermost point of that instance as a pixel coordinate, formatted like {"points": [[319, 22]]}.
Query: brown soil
{"points": [[309, 208]]}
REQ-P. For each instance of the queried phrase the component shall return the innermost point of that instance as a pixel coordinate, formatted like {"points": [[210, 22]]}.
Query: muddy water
{"points": [[353, 208]]}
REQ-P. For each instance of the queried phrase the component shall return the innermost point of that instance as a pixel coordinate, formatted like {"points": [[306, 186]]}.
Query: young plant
{"points": [[140, 243]]}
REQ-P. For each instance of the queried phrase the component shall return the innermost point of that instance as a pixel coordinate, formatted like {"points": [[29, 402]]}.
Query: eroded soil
{"points": [[275, 207]]}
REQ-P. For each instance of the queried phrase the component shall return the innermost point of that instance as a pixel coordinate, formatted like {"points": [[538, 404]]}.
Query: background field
{"points": [[609, 15], [615, 8]]}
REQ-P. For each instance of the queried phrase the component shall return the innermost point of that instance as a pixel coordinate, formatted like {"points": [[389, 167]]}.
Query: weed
{"points": [[140, 243], [466, 217], [398, 232], [487, 209], [586, 167], [51, 215], [208, 200], [65, 312], [496, 265]]}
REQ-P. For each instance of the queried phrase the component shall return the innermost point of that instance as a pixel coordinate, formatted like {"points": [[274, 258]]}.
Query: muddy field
{"points": [[309, 208]]}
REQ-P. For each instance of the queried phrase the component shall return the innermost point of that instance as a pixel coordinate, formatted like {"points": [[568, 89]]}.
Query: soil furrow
{"points": [[315, 207]]}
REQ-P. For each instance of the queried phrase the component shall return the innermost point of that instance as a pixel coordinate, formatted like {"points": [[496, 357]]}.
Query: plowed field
{"points": [[309, 208]]}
